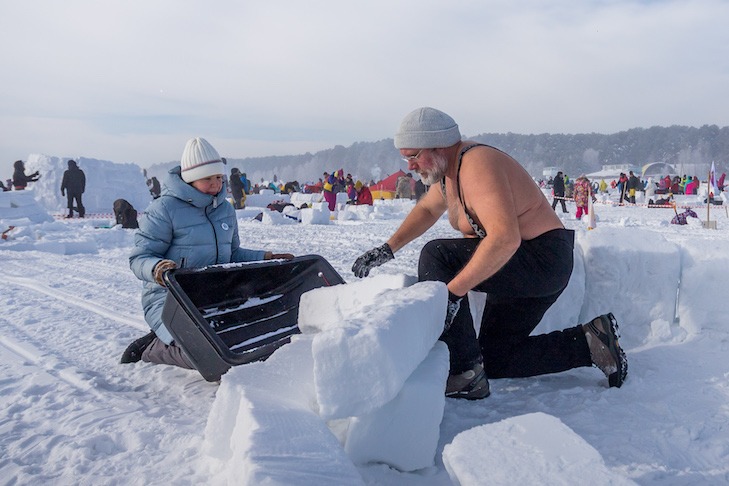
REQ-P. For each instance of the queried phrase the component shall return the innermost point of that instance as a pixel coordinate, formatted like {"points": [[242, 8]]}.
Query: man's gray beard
{"points": [[440, 165]]}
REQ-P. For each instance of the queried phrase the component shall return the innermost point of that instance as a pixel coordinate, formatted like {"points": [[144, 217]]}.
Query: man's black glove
{"points": [[371, 259], [454, 304]]}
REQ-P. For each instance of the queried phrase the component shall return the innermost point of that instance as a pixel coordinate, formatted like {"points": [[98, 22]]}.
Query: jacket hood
{"points": [[72, 164], [174, 186]]}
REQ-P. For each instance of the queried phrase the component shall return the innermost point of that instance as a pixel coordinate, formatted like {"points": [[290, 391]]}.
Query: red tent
{"points": [[389, 183]]}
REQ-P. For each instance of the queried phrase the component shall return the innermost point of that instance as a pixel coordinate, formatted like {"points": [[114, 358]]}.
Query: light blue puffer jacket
{"points": [[190, 228]]}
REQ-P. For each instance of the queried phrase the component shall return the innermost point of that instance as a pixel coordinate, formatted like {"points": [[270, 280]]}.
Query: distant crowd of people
{"points": [[626, 186], [579, 190]]}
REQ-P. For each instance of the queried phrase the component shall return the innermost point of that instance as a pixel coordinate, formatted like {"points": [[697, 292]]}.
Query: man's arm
{"points": [[424, 215], [489, 196]]}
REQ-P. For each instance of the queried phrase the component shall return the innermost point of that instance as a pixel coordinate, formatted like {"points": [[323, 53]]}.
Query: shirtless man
{"points": [[514, 248]]}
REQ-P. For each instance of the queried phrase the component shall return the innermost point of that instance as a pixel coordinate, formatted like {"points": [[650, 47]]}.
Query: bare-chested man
{"points": [[514, 248]]}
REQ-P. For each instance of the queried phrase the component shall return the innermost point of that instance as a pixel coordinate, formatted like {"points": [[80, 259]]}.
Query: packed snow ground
{"points": [[74, 415]]}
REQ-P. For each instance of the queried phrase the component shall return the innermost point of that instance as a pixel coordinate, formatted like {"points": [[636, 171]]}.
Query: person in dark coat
{"points": [[558, 186], [634, 185], [20, 180], [73, 186], [236, 187], [125, 214]]}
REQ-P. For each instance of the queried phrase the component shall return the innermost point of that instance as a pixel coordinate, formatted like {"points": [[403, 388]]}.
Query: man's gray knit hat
{"points": [[427, 128]]}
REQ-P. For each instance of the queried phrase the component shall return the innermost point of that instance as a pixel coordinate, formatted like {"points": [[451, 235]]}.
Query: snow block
{"points": [[360, 212], [363, 364], [315, 215], [328, 307], [19, 206], [630, 262], [263, 427], [274, 217], [417, 410], [264, 198], [704, 266], [530, 449]]}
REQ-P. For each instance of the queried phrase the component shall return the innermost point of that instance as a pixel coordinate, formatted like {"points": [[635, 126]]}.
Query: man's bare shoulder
{"points": [[485, 164]]}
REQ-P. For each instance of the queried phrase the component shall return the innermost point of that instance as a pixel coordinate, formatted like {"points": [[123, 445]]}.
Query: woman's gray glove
{"points": [[371, 259]]}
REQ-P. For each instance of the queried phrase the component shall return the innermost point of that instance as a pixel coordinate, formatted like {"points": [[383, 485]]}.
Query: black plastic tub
{"points": [[228, 315]]}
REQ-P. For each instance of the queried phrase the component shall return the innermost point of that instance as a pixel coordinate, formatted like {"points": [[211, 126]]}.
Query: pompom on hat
{"points": [[200, 160], [427, 128]]}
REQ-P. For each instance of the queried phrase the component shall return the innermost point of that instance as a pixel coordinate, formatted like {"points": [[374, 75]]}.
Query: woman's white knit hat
{"points": [[200, 160], [427, 128]]}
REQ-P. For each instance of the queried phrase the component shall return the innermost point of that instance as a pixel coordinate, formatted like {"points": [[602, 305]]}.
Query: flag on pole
{"points": [[713, 187]]}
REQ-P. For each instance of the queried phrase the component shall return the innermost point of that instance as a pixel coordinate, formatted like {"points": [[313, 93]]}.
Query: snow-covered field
{"points": [[71, 414]]}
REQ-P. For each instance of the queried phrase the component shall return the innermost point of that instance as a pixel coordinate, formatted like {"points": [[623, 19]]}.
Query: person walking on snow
{"points": [[73, 185], [583, 193], [558, 187], [514, 248], [190, 225]]}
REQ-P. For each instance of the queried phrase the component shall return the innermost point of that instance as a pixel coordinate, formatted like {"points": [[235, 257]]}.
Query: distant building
{"points": [[610, 172]]}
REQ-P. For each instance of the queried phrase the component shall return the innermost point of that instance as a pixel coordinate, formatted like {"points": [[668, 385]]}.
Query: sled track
{"points": [[65, 297]]}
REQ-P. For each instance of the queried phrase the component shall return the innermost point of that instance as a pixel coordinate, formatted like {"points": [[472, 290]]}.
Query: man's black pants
{"points": [[518, 295]]}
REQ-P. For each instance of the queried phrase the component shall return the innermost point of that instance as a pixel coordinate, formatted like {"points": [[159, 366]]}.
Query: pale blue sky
{"points": [[131, 81]]}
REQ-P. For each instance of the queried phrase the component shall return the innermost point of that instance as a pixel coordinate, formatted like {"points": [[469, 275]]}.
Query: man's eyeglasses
{"points": [[412, 158]]}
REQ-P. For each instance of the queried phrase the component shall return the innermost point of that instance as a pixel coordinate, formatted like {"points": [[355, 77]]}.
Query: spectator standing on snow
{"points": [[236, 187], [634, 185], [514, 248], [329, 190], [20, 180], [622, 187], [246, 183], [191, 225], [558, 187], [73, 185], [403, 190], [583, 193]]}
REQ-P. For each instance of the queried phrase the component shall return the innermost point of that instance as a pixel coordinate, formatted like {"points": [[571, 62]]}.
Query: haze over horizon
{"points": [[132, 81]]}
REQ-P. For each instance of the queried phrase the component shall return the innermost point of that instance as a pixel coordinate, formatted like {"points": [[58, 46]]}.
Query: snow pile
{"points": [[105, 183]]}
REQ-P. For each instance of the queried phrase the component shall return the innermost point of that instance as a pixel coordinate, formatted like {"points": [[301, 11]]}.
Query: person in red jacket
{"points": [[364, 196]]}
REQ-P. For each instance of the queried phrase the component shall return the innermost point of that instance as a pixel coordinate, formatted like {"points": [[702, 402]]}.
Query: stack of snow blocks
{"points": [[363, 384], [232, 314]]}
